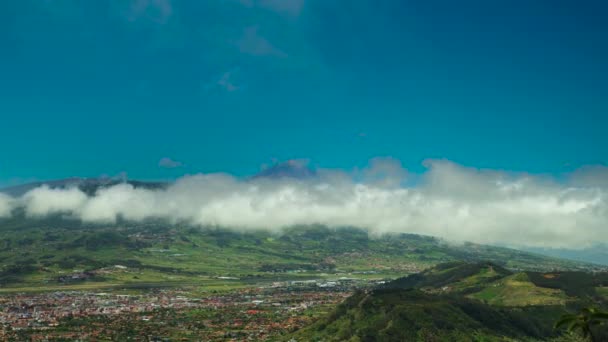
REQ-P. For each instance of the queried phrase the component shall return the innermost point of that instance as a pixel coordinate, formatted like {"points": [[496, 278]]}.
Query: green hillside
{"points": [[518, 290], [456, 276], [58, 252], [413, 315], [496, 285], [460, 301]]}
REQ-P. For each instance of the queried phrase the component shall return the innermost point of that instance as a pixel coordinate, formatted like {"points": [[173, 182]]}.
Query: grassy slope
{"points": [[464, 302], [518, 290], [412, 315], [495, 285], [602, 291], [37, 252]]}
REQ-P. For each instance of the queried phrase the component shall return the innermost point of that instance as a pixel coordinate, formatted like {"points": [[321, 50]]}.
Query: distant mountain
{"points": [[33, 248], [290, 169], [597, 254], [87, 185]]}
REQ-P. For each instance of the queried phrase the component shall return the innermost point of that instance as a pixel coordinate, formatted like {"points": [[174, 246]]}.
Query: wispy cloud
{"points": [[225, 82], [6, 205], [156, 10], [169, 163], [384, 172], [252, 43], [287, 7]]}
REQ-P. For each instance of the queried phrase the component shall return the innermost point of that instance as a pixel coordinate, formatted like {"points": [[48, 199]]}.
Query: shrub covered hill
{"points": [[460, 301]]}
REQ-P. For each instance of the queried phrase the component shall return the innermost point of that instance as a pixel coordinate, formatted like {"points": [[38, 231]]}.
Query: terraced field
{"points": [[518, 290]]}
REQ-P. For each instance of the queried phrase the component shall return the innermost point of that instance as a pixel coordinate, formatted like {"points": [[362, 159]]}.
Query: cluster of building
{"points": [[48, 309], [254, 312]]}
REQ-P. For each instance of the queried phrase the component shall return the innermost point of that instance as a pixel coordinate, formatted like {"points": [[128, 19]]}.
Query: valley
{"points": [[153, 280]]}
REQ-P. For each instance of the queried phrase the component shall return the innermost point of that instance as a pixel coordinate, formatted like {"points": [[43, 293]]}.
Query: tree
{"points": [[584, 321]]}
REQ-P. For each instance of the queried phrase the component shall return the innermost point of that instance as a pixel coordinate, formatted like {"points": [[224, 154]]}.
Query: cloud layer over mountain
{"points": [[448, 200]]}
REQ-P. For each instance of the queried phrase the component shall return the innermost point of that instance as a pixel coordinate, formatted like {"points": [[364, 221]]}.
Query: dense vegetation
{"points": [[413, 315], [588, 321], [464, 302]]}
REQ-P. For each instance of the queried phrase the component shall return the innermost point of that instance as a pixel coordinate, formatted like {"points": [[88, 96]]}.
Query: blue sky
{"points": [[103, 87]]}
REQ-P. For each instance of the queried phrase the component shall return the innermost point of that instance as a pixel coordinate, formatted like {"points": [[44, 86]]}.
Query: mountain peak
{"points": [[294, 168]]}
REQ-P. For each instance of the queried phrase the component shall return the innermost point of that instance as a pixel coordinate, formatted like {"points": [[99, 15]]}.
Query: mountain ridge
{"points": [[87, 185], [434, 306]]}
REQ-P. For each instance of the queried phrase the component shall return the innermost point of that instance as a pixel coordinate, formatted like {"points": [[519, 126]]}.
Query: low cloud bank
{"points": [[448, 201], [6, 205]]}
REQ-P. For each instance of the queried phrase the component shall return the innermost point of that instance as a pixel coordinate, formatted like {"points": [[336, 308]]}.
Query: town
{"points": [[252, 313]]}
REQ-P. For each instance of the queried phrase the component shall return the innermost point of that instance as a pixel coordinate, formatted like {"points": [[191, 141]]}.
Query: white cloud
{"points": [[384, 172], [590, 176], [120, 200], [449, 201], [6, 205], [44, 201], [169, 163]]}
